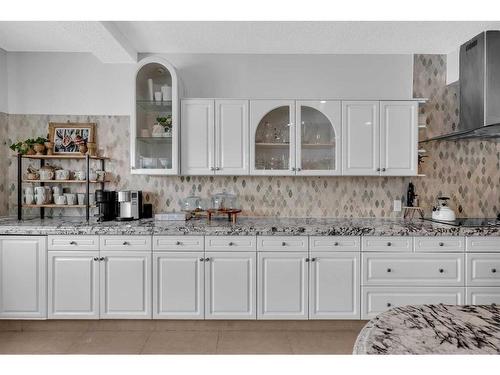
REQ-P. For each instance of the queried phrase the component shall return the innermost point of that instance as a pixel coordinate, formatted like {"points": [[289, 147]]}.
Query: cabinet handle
{"points": [[383, 169], [73, 243], [307, 259], [126, 243], [207, 259], [389, 243], [313, 259], [389, 304], [494, 270], [283, 244], [378, 169], [335, 244], [202, 259], [389, 270], [441, 270], [102, 258], [96, 259], [178, 243], [441, 244]]}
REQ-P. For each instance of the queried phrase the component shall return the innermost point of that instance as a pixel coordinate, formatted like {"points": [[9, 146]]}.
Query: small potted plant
{"points": [[24, 147], [166, 122], [39, 145]]}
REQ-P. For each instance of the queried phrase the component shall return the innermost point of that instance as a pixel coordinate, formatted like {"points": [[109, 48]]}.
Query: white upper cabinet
{"points": [[272, 137], [214, 137], [154, 131], [318, 134], [197, 139], [360, 138], [398, 138]]}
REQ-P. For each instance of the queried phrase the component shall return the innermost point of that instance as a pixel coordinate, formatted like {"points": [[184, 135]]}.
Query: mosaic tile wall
{"points": [[4, 198], [468, 171]]}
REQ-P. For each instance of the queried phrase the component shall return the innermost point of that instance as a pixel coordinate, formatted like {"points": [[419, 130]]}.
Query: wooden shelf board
{"points": [[62, 181], [56, 206], [69, 157]]}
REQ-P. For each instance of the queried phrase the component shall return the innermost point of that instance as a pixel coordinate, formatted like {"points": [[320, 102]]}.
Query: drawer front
{"points": [[335, 243], [178, 243], [377, 300], [440, 244], [230, 243], [282, 243], [483, 269], [73, 243], [482, 296], [133, 243], [387, 243], [483, 244], [413, 269]]}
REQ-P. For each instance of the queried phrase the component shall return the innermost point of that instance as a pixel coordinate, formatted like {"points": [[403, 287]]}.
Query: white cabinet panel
{"points": [[334, 286], [66, 242], [413, 269], [125, 243], [483, 244], [335, 243], [376, 300], [483, 269], [73, 285], [282, 285], [230, 284], [178, 243], [440, 244], [231, 137], [125, 285], [387, 243], [230, 243], [178, 285], [282, 243], [197, 137], [483, 295], [360, 138], [23, 277], [398, 138]]}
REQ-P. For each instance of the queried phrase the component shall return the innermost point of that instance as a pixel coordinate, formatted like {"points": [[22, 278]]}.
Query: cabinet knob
{"points": [[217, 168], [96, 259], [383, 169], [378, 169], [102, 258], [494, 270], [126, 243], [178, 243], [313, 259], [212, 168], [72, 243], [293, 169], [389, 270], [441, 270], [283, 244], [389, 304], [231, 243], [307, 259], [207, 259], [299, 169], [389, 243], [202, 259], [335, 244], [441, 244]]}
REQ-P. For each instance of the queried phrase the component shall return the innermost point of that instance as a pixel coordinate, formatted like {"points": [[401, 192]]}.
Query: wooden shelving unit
{"points": [[42, 159]]}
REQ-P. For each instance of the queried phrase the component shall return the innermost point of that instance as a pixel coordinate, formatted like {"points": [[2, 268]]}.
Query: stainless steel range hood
{"points": [[479, 88]]}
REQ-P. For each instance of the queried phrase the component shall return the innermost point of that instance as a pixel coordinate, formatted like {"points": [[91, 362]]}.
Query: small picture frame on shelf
{"points": [[68, 137]]}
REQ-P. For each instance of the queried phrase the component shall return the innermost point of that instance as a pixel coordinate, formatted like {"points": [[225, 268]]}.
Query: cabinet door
{"points": [[334, 286], [360, 138], [125, 285], [230, 282], [317, 137], [272, 137], [231, 137], [398, 138], [282, 285], [23, 277], [483, 295], [178, 285], [73, 285], [197, 137]]}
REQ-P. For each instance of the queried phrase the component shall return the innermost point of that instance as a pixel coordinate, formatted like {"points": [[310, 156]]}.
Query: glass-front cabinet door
{"points": [[317, 132], [272, 137], [155, 123]]}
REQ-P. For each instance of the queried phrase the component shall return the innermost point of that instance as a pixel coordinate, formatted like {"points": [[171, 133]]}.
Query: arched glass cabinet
{"points": [[295, 137], [155, 123]]}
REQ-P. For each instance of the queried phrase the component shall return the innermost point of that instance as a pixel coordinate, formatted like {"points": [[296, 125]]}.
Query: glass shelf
{"points": [[155, 140], [153, 106]]}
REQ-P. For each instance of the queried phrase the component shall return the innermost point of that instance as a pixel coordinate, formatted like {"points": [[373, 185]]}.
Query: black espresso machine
{"points": [[106, 205], [121, 205]]}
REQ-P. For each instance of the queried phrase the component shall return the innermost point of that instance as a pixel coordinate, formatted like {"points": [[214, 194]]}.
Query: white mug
{"points": [[92, 175], [62, 174], [60, 199], [40, 198], [29, 190], [81, 199], [29, 198], [91, 199], [39, 190], [80, 175], [57, 190], [70, 198], [46, 174]]}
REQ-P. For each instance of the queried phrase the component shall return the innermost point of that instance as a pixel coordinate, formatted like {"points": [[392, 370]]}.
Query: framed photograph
{"points": [[67, 137]]}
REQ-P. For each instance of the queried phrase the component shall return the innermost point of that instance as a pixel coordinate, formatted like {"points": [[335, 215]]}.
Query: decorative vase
{"points": [[39, 148], [83, 149]]}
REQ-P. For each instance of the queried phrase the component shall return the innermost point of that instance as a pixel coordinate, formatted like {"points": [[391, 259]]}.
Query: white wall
{"points": [[77, 83], [67, 83], [3, 82], [452, 66]]}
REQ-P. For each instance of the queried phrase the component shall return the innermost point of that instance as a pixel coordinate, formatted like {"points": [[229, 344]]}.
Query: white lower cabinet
{"points": [[178, 285], [125, 285], [230, 284], [483, 295], [334, 285], [376, 300], [73, 284], [282, 285], [23, 277]]}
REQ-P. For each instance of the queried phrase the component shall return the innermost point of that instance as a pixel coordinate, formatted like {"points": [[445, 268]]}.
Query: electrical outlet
{"points": [[397, 205]]}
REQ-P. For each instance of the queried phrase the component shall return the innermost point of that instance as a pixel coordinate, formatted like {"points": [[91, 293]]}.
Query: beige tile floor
{"points": [[178, 337]]}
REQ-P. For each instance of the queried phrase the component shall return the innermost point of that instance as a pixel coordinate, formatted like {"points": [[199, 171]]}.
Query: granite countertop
{"points": [[244, 226], [432, 329]]}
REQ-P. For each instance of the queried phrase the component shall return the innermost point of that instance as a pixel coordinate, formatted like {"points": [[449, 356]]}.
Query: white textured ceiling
{"points": [[118, 41]]}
